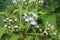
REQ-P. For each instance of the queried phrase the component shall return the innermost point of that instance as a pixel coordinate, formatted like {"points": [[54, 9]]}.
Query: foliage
{"points": [[29, 20]]}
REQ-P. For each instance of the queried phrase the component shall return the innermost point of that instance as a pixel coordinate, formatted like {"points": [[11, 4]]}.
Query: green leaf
{"points": [[55, 37], [49, 18], [2, 30], [14, 37], [29, 38], [37, 38]]}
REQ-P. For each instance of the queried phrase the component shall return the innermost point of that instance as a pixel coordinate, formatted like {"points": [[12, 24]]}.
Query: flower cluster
{"points": [[31, 18], [49, 26], [10, 22]]}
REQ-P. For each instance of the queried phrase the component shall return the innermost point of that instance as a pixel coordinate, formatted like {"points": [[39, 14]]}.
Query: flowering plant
{"points": [[29, 20]]}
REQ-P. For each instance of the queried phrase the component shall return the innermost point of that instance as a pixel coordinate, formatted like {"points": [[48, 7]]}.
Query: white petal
{"points": [[5, 25], [31, 19], [25, 14], [40, 29], [48, 28], [15, 19], [46, 32], [27, 20], [49, 24], [33, 23], [14, 1], [16, 26], [24, 17], [7, 18], [10, 20], [9, 27], [35, 15]]}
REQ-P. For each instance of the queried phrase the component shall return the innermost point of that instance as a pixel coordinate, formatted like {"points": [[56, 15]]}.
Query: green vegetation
{"points": [[29, 19]]}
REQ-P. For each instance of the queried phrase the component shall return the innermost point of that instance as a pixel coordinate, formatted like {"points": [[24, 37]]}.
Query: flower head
{"points": [[25, 14], [10, 20], [7, 18], [33, 23], [35, 15], [40, 30], [31, 19], [9, 27], [5, 25], [27, 20], [16, 26], [14, 1], [15, 19], [49, 24], [45, 32]]}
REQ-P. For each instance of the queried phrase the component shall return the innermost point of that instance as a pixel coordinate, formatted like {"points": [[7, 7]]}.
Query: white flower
{"points": [[14, 1], [33, 23], [16, 26], [9, 27], [24, 17], [31, 19], [35, 15], [27, 20], [49, 25], [30, 1], [25, 14], [5, 25], [46, 32], [15, 19], [48, 28], [7, 18], [40, 30], [10, 20]]}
